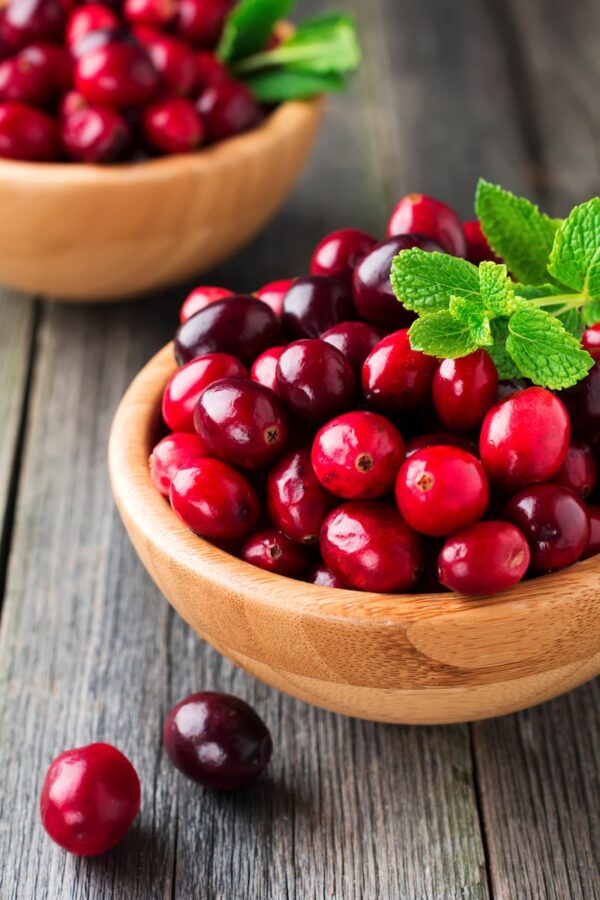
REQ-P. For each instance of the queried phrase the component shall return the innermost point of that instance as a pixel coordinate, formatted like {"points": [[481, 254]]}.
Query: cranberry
{"points": [[201, 21], [101, 37], [441, 489], [172, 453], [217, 740], [227, 108], [214, 500], [28, 21], [583, 403], [297, 502], [590, 339], [579, 471], [89, 799], [242, 326], [324, 577], [478, 249], [373, 294], [273, 293], [315, 380], [70, 103], [183, 389], [199, 298], [27, 134], [174, 61], [85, 19], [555, 523], [396, 377], [95, 134], [264, 368], [593, 546], [484, 558], [524, 439], [464, 389], [420, 214], [172, 125], [150, 12], [117, 74], [440, 437], [273, 551], [210, 69], [368, 546], [22, 82], [314, 304], [355, 340], [56, 64], [338, 254]]}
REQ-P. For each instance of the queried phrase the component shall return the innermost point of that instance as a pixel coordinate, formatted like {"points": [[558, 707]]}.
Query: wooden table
{"points": [[89, 650]]}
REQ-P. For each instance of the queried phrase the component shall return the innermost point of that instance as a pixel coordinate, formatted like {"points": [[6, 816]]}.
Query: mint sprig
{"points": [[249, 26]]}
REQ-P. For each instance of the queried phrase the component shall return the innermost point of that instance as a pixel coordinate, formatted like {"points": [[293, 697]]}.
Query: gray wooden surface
{"points": [[90, 651]]}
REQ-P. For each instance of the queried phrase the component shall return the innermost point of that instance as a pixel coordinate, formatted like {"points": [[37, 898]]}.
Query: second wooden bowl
{"points": [[426, 658]]}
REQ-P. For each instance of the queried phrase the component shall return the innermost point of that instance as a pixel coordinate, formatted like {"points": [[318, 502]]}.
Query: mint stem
{"points": [[280, 56], [572, 301]]}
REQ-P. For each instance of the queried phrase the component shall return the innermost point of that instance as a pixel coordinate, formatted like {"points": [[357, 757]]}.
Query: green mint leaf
{"points": [[535, 291], [543, 351], [575, 257], [440, 334], [516, 231], [572, 322], [503, 362], [279, 85], [424, 282], [249, 25], [590, 313], [497, 289], [472, 314]]}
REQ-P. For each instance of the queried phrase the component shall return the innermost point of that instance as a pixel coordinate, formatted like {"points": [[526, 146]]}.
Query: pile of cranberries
{"points": [[109, 80], [308, 437]]}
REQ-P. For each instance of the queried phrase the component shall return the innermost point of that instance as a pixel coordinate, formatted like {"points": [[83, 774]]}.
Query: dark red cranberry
{"points": [[338, 254], [35, 75], [579, 471], [444, 438], [183, 389], [297, 502], [85, 19], [201, 21], [227, 108], [89, 799], [172, 126], [264, 368], [524, 439], [174, 61], [484, 558], [314, 304], [55, 62], [150, 12], [583, 403], [478, 249], [273, 293], [29, 21], [420, 214], [355, 340], [555, 523], [324, 577], [70, 103], [372, 288], [214, 500], [242, 422], [118, 74], [95, 134], [172, 453], [242, 326], [590, 339], [199, 298], [593, 546], [217, 740], [464, 389], [271, 550], [315, 380], [210, 69], [396, 377], [368, 546], [27, 134]]}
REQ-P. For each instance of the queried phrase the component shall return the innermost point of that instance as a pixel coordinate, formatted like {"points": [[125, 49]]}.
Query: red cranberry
{"points": [[420, 214], [172, 453], [440, 437], [118, 74], [273, 293], [484, 558], [524, 439], [172, 126], [555, 523], [85, 19], [396, 377], [357, 455], [242, 326], [579, 471], [70, 103], [355, 340], [441, 489], [368, 546], [183, 389], [227, 108], [338, 254], [27, 134], [464, 389], [55, 62], [583, 403], [95, 134], [478, 249], [33, 76], [210, 69], [315, 380], [264, 368], [150, 12], [297, 502], [174, 61], [590, 339], [29, 21], [214, 500], [199, 298], [217, 740], [593, 546], [314, 304], [89, 799], [102, 37], [273, 551], [324, 577], [201, 21]]}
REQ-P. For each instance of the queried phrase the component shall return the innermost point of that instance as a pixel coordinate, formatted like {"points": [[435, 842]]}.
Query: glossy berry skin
{"points": [[273, 293], [590, 339], [524, 439], [464, 389], [579, 471], [217, 740], [214, 500], [583, 403], [355, 340], [371, 285], [199, 298], [28, 78], [226, 109], [357, 456], [184, 387], [296, 500], [172, 126], [339, 252], [85, 19], [485, 558], [315, 303], [173, 59], [441, 489], [369, 547], [420, 214], [478, 249], [27, 134], [445, 438], [95, 134], [396, 377], [89, 799], [172, 453], [315, 380], [201, 21], [264, 368], [324, 577], [210, 69], [593, 546], [555, 523], [150, 12], [272, 551], [117, 74], [242, 326], [28, 21]]}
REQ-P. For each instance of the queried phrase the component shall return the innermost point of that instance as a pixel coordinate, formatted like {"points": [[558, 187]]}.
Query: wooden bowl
{"points": [[81, 232], [425, 658]]}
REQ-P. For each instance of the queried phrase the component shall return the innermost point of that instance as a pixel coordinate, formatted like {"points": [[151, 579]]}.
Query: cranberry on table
{"points": [[214, 500], [273, 293], [28, 21], [264, 368], [172, 126], [525, 438], [184, 387], [324, 577], [172, 453], [297, 501], [579, 471], [88, 18], [315, 380], [478, 249], [355, 340], [485, 558], [201, 21], [150, 12], [423, 215], [95, 134], [593, 546], [370, 547], [118, 74], [445, 438], [396, 377], [89, 799], [590, 339], [273, 551], [227, 108], [28, 134], [464, 389], [199, 298], [315, 303], [173, 59], [210, 69], [583, 403], [338, 253]]}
